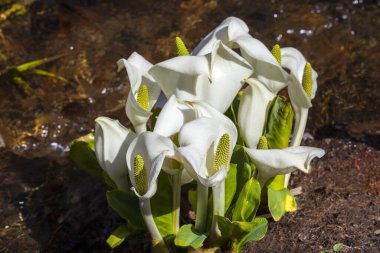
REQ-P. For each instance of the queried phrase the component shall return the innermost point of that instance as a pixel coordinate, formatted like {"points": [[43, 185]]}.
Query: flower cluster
{"points": [[212, 123]]}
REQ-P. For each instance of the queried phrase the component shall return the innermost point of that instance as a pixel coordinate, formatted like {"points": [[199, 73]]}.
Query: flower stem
{"points": [[218, 193], [158, 243], [202, 201], [140, 128], [176, 180], [299, 129]]}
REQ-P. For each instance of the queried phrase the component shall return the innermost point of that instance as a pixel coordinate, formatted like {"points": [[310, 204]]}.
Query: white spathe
{"points": [[137, 68], [252, 111], [233, 32], [294, 60], [198, 141], [154, 149], [176, 113], [111, 143], [214, 78], [265, 66], [272, 162], [230, 29], [173, 116]]}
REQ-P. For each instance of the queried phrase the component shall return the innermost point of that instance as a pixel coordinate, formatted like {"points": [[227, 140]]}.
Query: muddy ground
{"points": [[48, 205]]}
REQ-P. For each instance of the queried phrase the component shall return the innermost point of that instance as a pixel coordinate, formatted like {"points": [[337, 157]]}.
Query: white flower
{"points": [[111, 143], [272, 162], [266, 68], [145, 158], [176, 113], [252, 111], [173, 116], [144, 90], [230, 29], [302, 88], [206, 145], [214, 78], [233, 32]]}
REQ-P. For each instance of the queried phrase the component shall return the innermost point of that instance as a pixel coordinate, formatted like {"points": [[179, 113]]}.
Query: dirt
{"points": [[339, 203], [48, 205]]}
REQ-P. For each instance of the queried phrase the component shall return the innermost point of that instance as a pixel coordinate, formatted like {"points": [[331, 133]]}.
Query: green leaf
{"points": [[120, 234], [257, 232], [244, 170], [242, 232], [280, 202], [16, 9], [188, 237], [161, 205], [33, 64], [108, 180], [277, 131], [23, 83], [232, 230], [338, 247], [126, 204], [82, 152], [192, 195], [225, 226], [47, 74], [279, 123], [244, 173], [277, 183], [248, 201], [230, 186]]}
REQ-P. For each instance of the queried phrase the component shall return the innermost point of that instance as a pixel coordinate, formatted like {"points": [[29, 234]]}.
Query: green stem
{"points": [[299, 126], [235, 246], [202, 201], [299, 129], [233, 113], [158, 243], [218, 192], [176, 180]]}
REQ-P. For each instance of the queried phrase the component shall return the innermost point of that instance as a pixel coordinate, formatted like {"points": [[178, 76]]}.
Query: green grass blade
{"points": [[33, 64], [41, 72]]}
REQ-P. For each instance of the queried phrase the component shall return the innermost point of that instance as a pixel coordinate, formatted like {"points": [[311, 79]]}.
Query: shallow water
{"points": [[340, 39]]}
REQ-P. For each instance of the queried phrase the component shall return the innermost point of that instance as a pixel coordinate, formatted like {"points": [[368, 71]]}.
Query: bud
{"points": [[181, 48], [276, 51]]}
